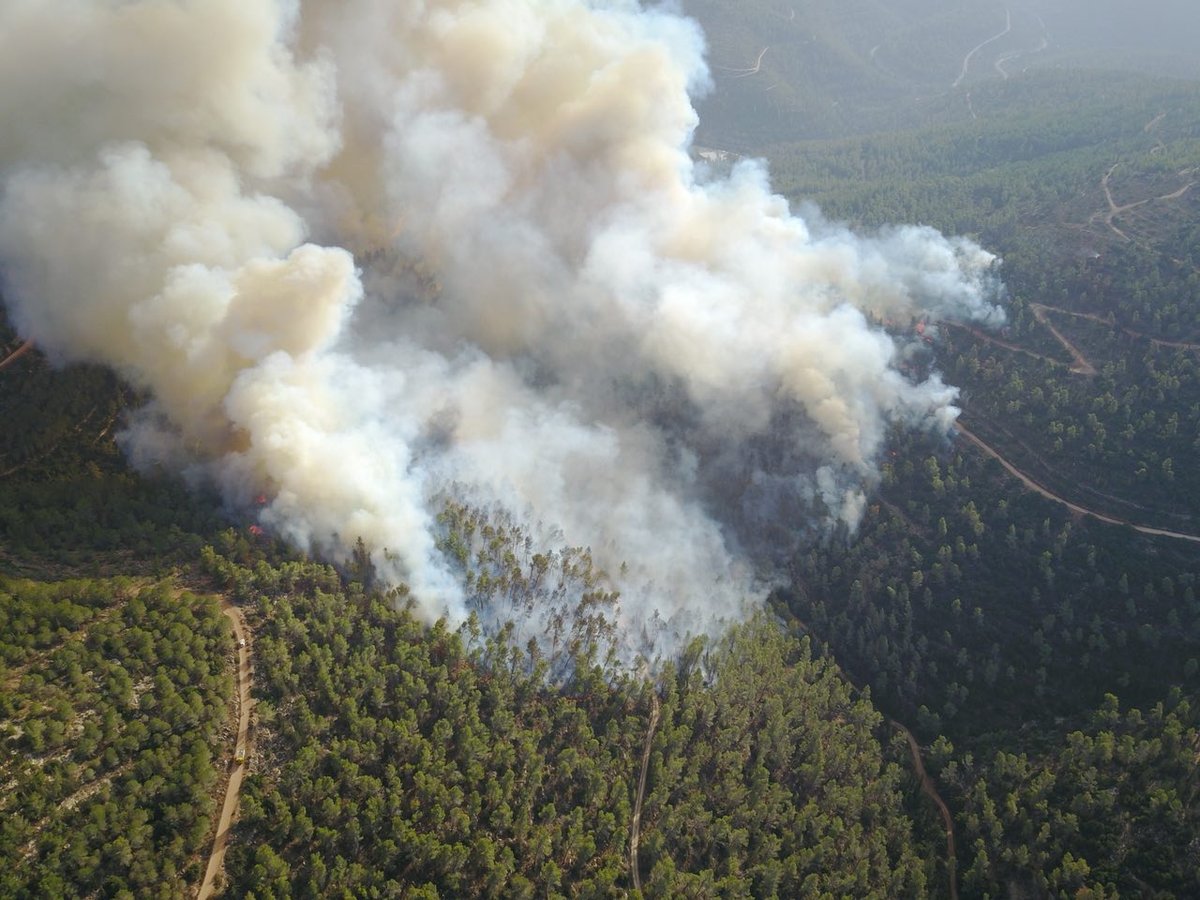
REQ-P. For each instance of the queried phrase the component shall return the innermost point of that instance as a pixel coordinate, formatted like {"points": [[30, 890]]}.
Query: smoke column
{"points": [[365, 256]]}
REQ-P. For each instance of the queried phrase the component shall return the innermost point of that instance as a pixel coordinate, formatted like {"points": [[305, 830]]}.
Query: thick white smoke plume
{"points": [[366, 255]]}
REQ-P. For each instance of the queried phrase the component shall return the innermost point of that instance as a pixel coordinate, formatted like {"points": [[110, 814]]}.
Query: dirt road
{"points": [[966, 63], [635, 828], [217, 858], [930, 790], [16, 354], [1082, 365], [1115, 209], [1111, 322], [1074, 507], [745, 71], [1000, 342], [1004, 59]]}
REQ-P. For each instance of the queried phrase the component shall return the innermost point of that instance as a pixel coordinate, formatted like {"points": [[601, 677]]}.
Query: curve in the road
{"points": [[1115, 209], [1074, 507], [1000, 342], [966, 63], [745, 71], [1111, 322], [1004, 59], [930, 790], [216, 859]]}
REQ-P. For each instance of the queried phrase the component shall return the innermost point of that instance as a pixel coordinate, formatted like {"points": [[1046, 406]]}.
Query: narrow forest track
{"points": [[1115, 209], [16, 354], [966, 63], [1000, 342], [12, 357], [39, 658], [216, 859], [1163, 342], [927, 785], [1005, 58], [83, 792], [745, 71], [1038, 488], [1111, 321], [635, 826], [931, 791], [1082, 365], [54, 445]]}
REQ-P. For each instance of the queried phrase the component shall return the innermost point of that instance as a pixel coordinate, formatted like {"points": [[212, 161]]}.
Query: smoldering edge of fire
{"points": [[367, 256]]}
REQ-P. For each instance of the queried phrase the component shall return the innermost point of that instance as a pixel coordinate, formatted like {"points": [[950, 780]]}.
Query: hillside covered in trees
{"points": [[1019, 600]]}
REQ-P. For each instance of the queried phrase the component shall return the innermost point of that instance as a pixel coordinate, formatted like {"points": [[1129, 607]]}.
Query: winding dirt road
{"points": [[930, 790], [746, 70], [966, 63], [217, 858], [1004, 59], [635, 828], [1074, 507]]}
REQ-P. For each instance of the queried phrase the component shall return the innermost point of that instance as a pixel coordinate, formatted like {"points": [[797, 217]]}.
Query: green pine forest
{"points": [[977, 649]]}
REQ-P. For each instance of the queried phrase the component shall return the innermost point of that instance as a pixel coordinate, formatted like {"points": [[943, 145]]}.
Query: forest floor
{"points": [[216, 859]]}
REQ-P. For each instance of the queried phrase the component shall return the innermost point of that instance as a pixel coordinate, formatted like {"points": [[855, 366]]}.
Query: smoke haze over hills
{"points": [[366, 256], [867, 66]]}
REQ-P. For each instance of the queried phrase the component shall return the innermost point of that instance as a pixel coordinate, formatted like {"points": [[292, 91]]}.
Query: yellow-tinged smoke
{"points": [[366, 253]]}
